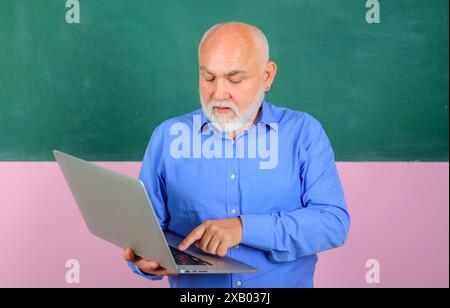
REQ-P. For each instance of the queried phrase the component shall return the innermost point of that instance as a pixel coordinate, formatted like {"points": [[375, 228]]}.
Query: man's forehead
{"points": [[228, 63], [231, 72]]}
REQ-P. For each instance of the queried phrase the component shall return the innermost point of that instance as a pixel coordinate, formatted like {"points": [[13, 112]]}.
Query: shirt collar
{"points": [[265, 117]]}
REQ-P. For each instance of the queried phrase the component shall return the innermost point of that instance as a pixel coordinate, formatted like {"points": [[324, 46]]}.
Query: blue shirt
{"points": [[290, 199]]}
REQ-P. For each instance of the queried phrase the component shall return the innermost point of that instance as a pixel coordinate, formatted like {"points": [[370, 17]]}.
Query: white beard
{"points": [[227, 123]]}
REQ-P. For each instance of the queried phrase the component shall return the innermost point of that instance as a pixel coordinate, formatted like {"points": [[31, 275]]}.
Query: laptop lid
{"points": [[116, 208]]}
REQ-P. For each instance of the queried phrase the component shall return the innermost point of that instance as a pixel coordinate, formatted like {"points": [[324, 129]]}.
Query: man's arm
{"points": [[323, 222], [151, 175]]}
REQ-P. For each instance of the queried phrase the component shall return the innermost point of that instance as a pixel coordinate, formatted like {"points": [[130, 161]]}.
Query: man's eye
{"points": [[235, 81], [210, 79]]}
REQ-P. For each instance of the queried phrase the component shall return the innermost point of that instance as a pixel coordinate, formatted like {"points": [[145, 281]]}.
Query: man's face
{"points": [[231, 84]]}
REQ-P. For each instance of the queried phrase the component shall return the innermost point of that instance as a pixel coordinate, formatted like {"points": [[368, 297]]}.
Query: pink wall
{"points": [[400, 216]]}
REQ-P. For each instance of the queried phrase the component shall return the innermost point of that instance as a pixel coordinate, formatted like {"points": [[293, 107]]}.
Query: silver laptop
{"points": [[117, 209]]}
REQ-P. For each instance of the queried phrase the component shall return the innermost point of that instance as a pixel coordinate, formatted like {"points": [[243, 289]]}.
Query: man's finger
{"points": [[206, 238], [146, 265], [222, 249], [195, 235], [212, 246], [129, 255], [163, 272]]}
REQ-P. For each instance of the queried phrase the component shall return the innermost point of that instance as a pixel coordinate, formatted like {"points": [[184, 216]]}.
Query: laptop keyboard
{"points": [[183, 258]]}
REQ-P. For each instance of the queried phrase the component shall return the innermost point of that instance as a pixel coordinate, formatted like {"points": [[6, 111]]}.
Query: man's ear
{"points": [[269, 75]]}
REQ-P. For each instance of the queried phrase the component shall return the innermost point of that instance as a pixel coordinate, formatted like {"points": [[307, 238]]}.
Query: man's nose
{"points": [[221, 92]]}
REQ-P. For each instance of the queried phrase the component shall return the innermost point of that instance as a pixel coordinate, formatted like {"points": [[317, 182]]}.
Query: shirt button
{"points": [[233, 176], [238, 283], [233, 211]]}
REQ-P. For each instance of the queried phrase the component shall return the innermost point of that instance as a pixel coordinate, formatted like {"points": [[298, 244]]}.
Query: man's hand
{"points": [[215, 236], [147, 266]]}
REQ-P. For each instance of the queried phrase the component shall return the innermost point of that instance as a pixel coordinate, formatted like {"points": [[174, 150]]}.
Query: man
{"points": [[275, 217]]}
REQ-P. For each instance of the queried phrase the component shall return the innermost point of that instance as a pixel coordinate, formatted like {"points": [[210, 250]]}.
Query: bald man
{"points": [[249, 180]]}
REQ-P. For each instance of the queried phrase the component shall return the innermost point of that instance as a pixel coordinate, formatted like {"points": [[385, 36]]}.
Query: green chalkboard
{"points": [[98, 88]]}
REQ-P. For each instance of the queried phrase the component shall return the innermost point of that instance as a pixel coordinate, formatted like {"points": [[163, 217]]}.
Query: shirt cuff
{"points": [[136, 270], [257, 231]]}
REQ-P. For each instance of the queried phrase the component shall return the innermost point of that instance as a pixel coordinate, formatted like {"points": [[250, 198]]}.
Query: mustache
{"points": [[224, 104]]}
